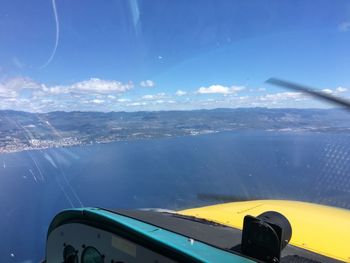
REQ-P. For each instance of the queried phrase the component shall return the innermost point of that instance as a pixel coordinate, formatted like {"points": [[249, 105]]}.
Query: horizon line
{"points": [[176, 110]]}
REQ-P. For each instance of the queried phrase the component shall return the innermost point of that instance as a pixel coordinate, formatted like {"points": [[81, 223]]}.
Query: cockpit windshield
{"points": [[163, 104]]}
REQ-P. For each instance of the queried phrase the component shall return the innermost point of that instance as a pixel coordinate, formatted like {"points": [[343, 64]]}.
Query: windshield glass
{"points": [[163, 104]]}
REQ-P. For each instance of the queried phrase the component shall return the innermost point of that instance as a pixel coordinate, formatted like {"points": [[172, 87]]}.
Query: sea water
{"points": [[171, 173]]}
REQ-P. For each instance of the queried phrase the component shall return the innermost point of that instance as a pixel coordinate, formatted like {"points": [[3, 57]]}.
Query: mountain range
{"points": [[26, 131]]}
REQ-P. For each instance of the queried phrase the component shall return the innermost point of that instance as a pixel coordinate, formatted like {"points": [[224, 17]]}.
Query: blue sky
{"points": [[164, 55]]}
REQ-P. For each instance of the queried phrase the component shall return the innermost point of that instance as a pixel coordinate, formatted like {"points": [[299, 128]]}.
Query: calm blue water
{"points": [[166, 173]]}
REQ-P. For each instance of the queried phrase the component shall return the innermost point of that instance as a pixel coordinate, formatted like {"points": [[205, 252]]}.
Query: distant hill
{"points": [[24, 131]]}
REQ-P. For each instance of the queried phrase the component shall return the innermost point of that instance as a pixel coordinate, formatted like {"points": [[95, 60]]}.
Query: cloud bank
{"points": [[95, 94]]}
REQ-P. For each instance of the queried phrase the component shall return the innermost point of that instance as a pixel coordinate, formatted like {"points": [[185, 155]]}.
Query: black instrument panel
{"points": [[74, 242]]}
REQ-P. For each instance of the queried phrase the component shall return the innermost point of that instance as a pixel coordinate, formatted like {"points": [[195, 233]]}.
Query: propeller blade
{"points": [[310, 91]]}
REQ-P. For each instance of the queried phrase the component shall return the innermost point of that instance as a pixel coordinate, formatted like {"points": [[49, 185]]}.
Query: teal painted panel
{"points": [[195, 249]]}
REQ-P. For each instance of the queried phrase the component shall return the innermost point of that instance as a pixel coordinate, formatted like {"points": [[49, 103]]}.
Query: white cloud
{"points": [[98, 86], [93, 85], [281, 96], [20, 83], [148, 97], [154, 96], [335, 91], [15, 86], [343, 27], [147, 83], [6, 93], [180, 93], [97, 101], [341, 89], [328, 91], [137, 104], [29, 95], [219, 89], [53, 90], [123, 100]]}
